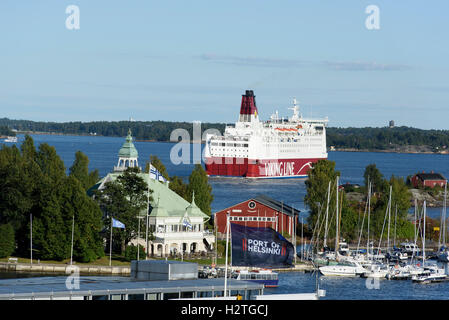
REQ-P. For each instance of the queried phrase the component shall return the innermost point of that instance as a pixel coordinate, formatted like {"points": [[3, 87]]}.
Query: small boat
{"points": [[345, 269], [410, 248], [376, 271], [11, 139], [397, 255], [430, 274], [443, 255], [269, 278]]}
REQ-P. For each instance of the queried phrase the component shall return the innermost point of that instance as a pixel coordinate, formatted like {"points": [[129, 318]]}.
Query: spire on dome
{"points": [[127, 154]]}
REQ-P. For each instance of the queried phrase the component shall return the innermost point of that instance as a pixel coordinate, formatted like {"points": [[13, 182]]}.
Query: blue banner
{"points": [[260, 247], [117, 224]]}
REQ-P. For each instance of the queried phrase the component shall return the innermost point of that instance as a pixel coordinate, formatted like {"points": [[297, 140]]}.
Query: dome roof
{"points": [[128, 150]]}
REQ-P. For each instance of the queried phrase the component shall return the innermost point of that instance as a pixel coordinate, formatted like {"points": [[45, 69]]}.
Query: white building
{"points": [[176, 224]]}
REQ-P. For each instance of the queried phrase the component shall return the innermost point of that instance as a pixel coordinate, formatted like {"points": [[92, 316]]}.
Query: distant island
{"points": [[382, 139]]}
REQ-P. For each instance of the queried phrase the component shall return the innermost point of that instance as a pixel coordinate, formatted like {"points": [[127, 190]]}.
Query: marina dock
{"points": [[64, 268]]}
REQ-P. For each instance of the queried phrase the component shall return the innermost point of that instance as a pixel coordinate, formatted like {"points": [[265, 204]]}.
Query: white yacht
{"points": [[376, 271], [430, 274], [11, 139], [347, 268]]}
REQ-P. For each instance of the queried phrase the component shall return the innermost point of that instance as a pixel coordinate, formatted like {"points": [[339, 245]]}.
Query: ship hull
{"points": [[250, 168]]}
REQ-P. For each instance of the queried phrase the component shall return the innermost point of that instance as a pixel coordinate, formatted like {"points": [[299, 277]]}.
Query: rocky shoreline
{"points": [[432, 200], [411, 149]]}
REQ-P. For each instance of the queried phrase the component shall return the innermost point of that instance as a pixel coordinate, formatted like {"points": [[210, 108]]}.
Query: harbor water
{"points": [[102, 153]]}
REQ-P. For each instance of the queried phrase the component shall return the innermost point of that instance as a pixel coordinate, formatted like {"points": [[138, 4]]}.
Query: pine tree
{"points": [[199, 183], [7, 241], [177, 185], [80, 170]]}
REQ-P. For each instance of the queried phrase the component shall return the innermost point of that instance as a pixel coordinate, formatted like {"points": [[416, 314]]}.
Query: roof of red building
{"points": [[430, 176], [273, 204]]}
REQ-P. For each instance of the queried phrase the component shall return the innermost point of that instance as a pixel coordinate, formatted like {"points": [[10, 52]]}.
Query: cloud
{"points": [[251, 61], [364, 66], [296, 63]]}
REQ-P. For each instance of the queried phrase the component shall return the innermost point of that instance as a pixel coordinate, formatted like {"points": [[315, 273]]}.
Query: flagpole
{"points": [[31, 237], [138, 238], [148, 208], [226, 258], [71, 250], [110, 246]]}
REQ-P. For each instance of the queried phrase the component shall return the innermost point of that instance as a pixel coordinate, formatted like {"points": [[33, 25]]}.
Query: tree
{"points": [[373, 175], [80, 170], [321, 173], [7, 241], [178, 186], [124, 199], [87, 242], [199, 184]]}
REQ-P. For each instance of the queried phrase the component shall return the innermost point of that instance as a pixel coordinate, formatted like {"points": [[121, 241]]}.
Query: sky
{"points": [[192, 60]]}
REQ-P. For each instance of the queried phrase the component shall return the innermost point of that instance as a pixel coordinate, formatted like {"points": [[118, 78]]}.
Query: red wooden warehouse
{"points": [[260, 211], [428, 180]]}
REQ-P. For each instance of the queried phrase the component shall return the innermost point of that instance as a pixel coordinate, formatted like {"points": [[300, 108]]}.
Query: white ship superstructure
{"points": [[280, 147]]}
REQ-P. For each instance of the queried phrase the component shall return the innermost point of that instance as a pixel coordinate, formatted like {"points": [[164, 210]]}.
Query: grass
{"points": [[117, 260]]}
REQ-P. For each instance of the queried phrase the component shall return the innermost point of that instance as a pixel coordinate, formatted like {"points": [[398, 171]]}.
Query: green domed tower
{"points": [[127, 156]]}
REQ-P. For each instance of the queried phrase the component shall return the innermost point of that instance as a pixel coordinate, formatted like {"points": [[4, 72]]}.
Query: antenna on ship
{"points": [[295, 109]]}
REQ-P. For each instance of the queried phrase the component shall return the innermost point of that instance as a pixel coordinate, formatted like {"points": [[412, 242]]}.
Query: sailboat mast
{"points": [[444, 214], [424, 236], [389, 218], [327, 214], [336, 221], [369, 210]]}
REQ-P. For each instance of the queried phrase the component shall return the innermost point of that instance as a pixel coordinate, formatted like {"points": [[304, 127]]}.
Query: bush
{"points": [[7, 240], [131, 252]]}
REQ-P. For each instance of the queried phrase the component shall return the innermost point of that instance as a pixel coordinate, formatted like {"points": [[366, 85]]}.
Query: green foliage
{"points": [[199, 183], [5, 131], [80, 170], [322, 173], [373, 175], [124, 200], [386, 138], [142, 130], [131, 252], [178, 186], [34, 182], [7, 240]]}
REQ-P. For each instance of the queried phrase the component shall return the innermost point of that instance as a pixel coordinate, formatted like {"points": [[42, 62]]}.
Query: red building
{"points": [[260, 211], [428, 180]]}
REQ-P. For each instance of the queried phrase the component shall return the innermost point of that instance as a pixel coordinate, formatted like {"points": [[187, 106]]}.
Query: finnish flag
{"points": [[187, 224], [117, 224], [156, 175]]}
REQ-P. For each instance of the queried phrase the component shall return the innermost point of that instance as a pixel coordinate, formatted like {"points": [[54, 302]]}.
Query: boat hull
{"points": [[267, 283], [341, 271], [253, 168]]}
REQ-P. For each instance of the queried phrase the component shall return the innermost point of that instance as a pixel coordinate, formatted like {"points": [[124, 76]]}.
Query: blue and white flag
{"points": [[117, 224], [260, 247], [187, 224], [155, 174]]}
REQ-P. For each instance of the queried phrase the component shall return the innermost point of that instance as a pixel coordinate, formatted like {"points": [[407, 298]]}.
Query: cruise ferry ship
{"points": [[277, 148]]}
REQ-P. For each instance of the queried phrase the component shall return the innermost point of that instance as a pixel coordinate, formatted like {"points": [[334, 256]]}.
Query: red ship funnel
{"points": [[248, 108]]}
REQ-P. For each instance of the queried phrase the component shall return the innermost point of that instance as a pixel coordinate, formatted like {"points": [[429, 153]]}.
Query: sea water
{"points": [[103, 155]]}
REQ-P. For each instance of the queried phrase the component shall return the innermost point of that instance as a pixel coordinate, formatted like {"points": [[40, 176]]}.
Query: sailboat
{"points": [[346, 266], [431, 273], [443, 253]]}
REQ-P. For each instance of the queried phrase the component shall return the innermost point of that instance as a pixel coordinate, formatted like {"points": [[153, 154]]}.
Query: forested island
{"points": [[387, 139]]}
